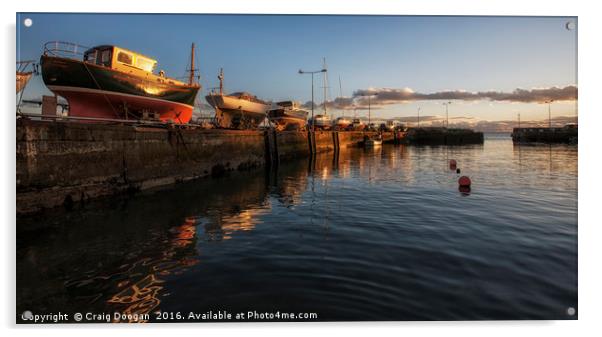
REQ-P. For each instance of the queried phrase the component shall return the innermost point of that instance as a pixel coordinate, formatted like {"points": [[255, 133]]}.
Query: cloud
{"points": [[414, 119], [385, 96], [376, 98]]}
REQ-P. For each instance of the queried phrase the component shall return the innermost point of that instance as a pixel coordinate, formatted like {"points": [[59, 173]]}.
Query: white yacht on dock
{"points": [[239, 110], [322, 122], [288, 115]]}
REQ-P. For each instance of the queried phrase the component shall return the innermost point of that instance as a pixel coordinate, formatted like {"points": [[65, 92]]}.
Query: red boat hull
{"points": [[84, 102]]}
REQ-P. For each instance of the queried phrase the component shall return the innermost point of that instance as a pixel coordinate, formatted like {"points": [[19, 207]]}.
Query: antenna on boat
{"points": [[220, 77]]}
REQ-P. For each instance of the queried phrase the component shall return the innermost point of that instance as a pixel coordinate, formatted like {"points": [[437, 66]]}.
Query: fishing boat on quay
{"points": [[321, 122], [25, 70], [342, 123], [288, 115], [111, 82], [239, 110], [357, 125]]}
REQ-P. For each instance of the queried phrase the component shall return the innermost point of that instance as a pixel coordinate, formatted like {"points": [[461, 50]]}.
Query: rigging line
{"points": [[100, 88]]}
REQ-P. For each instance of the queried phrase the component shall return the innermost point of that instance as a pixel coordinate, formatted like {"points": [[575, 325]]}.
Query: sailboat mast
{"points": [[340, 92], [325, 83], [191, 75]]}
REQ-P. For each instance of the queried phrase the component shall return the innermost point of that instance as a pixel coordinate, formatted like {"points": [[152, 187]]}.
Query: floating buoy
{"points": [[465, 190], [464, 181], [458, 171], [452, 164]]}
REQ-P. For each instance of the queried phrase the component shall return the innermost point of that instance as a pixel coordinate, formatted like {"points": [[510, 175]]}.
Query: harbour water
{"points": [[365, 234]]}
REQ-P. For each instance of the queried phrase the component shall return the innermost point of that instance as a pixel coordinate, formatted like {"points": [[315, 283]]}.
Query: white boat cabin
{"points": [[293, 105]]}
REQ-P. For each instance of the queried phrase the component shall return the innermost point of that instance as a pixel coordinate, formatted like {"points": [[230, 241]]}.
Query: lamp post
{"points": [[313, 122], [447, 114]]}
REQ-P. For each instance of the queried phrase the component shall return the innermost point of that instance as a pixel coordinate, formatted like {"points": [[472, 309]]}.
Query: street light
{"points": [[313, 122], [447, 114]]}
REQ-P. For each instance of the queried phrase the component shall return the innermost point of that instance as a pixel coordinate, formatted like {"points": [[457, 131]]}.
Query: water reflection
{"points": [[380, 233], [122, 258], [141, 297], [550, 158]]}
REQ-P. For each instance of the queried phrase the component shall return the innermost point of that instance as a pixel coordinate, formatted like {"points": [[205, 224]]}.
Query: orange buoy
{"points": [[464, 181], [452, 164]]}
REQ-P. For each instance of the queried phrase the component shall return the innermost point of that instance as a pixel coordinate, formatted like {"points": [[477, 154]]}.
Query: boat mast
{"points": [[325, 83], [340, 92], [191, 75], [220, 77]]}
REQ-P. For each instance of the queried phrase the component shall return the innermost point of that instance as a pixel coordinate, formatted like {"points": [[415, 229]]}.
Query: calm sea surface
{"points": [[370, 234]]}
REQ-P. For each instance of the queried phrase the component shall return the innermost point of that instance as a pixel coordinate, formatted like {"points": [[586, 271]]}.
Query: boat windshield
{"points": [[285, 103], [99, 56]]}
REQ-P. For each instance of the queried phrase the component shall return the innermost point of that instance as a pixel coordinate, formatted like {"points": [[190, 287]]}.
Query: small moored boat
{"points": [[372, 142]]}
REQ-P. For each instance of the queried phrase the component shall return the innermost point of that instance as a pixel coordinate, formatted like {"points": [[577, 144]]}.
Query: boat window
{"points": [[91, 57], [124, 58], [144, 64], [105, 58]]}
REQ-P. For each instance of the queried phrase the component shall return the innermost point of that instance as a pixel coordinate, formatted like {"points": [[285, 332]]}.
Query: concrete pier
{"points": [[567, 134], [443, 136], [62, 163]]}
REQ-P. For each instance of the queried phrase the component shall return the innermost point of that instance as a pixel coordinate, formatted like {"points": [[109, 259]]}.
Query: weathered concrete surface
{"points": [[61, 163], [443, 136], [292, 144], [324, 141], [567, 135]]}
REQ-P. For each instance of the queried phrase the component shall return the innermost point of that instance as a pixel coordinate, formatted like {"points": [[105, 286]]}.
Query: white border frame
{"points": [[589, 164]]}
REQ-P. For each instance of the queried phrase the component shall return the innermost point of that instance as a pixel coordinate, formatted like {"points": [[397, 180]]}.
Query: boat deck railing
{"points": [[64, 49]]}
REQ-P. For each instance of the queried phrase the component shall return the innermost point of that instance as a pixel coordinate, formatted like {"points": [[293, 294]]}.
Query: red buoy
{"points": [[452, 164], [464, 181], [465, 190]]}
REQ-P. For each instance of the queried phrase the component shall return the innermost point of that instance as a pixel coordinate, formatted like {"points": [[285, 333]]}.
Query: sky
{"points": [[409, 62]]}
